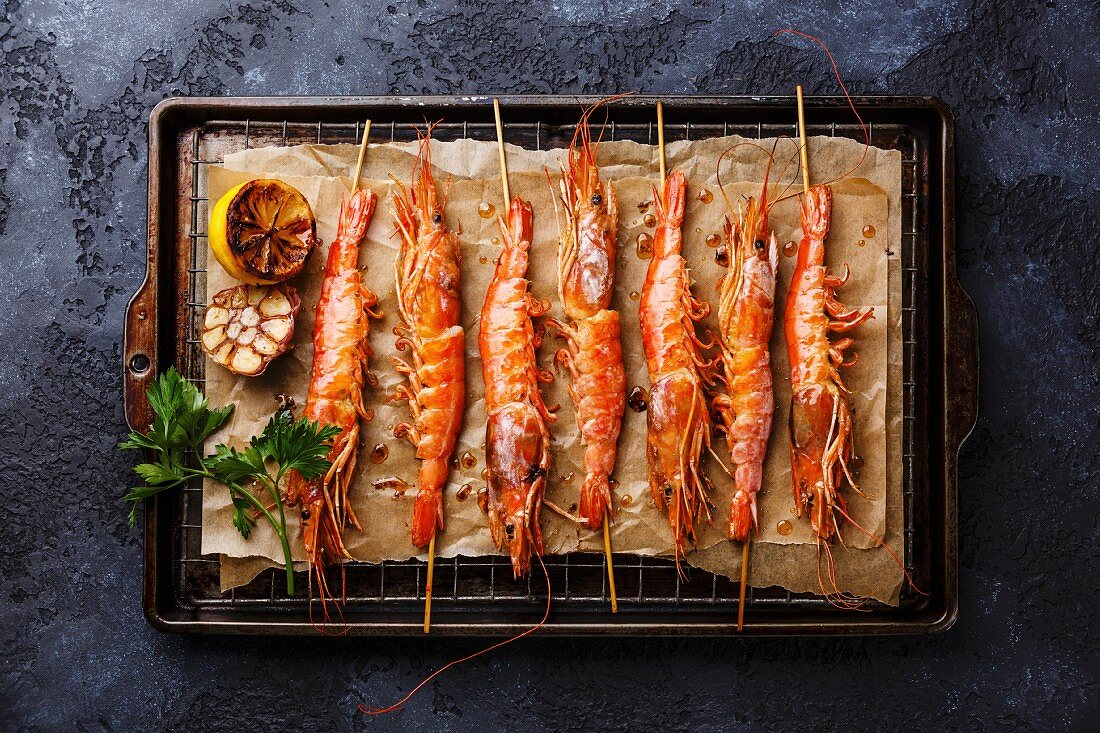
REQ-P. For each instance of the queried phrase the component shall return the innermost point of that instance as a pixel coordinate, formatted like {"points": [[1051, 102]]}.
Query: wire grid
{"points": [[577, 578]]}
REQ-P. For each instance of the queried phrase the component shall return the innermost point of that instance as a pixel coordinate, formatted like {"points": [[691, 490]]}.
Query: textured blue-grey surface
{"points": [[79, 79]]}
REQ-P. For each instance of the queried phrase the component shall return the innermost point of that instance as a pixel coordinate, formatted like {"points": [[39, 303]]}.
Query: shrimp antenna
{"points": [[847, 96], [527, 632], [727, 151], [792, 160]]}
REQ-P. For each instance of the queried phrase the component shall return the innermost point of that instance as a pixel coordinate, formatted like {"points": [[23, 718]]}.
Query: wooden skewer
{"points": [[744, 581], [610, 566], [500, 154], [804, 150], [428, 586], [661, 140], [362, 156]]}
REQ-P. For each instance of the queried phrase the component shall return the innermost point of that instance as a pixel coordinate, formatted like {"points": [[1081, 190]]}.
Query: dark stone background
{"points": [[79, 79]]}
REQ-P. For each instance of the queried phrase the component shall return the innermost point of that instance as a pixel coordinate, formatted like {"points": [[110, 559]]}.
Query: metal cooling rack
{"points": [[578, 580]]}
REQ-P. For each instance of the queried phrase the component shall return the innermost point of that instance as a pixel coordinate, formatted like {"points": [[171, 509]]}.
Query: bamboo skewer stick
{"points": [[803, 149], [744, 581], [500, 154], [610, 566], [661, 140], [362, 156], [428, 586]]}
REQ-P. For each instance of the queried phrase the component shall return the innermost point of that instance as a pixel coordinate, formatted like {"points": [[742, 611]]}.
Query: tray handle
{"points": [[962, 367], [139, 349]]}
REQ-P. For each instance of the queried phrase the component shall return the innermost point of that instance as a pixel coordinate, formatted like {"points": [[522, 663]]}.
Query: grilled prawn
{"points": [[821, 416], [428, 283], [678, 417], [517, 441], [746, 308], [593, 354], [335, 394]]}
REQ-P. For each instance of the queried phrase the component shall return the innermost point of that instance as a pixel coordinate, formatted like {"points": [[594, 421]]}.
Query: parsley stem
{"points": [[279, 527], [274, 489]]}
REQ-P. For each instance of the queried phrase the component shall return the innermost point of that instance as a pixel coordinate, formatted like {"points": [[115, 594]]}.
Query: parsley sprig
{"points": [[183, 421]]}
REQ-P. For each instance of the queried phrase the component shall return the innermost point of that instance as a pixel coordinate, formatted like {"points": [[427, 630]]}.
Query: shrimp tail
{"points": [[742, 516], [595, 500]]}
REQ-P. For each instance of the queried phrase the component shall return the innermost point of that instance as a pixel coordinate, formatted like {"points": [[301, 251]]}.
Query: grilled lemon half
{"points": [[262, 231]]}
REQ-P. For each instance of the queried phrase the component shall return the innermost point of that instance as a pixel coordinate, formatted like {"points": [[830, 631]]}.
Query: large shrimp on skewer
{"points": [[593, 356], [746, 308], [821, 417], [428, 283], [335, 395], [517, 441], [678, 416]]}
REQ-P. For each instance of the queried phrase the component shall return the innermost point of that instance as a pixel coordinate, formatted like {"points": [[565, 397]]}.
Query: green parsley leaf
{"points": [[242, 518], [299, 445], [139, 442], [182, 420], [231, 466], [138, 494], [156, 473]]}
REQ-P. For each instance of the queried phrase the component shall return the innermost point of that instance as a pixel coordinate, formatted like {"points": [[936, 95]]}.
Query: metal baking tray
{"points": [[477, 596]]}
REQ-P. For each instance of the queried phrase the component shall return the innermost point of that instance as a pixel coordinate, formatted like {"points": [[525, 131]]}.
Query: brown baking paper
{"points": [[870, 197]]}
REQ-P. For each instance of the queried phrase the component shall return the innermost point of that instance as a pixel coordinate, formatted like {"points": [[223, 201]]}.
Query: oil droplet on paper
{"points": [[379, 453], [483, 500], [784, 527], [634, 295], [483, 260], [485, 473], [627, 500], [643, 207], [486, 210], [713, 240], [638, 399], [469, 460], [790, 249], [463, 492], [868, 231], [495, 240], [706, 196], [861, 243], [650, 220], [645, 246]]}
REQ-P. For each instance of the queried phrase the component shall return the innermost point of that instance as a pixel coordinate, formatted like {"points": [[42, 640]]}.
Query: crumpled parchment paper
{"points": [[467, 169]]}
